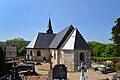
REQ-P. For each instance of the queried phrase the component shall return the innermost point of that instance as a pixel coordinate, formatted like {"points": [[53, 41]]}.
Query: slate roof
{"points": [[61, 37], [75, 41], [80, 43], [68, 39], [42, 40]]}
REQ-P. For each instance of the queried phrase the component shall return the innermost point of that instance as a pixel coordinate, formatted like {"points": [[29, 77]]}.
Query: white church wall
{"points": [[45, 54], [71, 42], [55, 56]]}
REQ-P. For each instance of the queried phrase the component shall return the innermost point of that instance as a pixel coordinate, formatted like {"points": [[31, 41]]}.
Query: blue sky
{"points": [[25, 18]]}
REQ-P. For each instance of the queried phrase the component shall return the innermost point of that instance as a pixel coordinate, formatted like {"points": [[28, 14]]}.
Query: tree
{"points": [[109, 51], [97, 48], [2, 62], [116, 35], [20, 43], [93, 47], [22, 51], [102, 50]]}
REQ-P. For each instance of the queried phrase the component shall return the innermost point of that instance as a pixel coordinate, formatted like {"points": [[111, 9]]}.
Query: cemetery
{"points": [[58, 56]]}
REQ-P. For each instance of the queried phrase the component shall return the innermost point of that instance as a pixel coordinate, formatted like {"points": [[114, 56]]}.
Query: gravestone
{"points": [[59, 72]]}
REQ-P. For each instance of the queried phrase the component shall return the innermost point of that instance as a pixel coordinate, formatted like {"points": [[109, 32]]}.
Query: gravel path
{"points": [[91, 74]]}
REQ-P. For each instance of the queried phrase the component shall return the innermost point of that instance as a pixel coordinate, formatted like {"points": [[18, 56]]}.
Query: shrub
{"points": [[117, 67], [116, 64]]}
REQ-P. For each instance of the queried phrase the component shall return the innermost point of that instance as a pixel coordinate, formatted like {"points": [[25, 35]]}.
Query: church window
{"points": [[81, 56], [44, 58], [10, 53], [38, 53], [54, 55], [31, 53]]}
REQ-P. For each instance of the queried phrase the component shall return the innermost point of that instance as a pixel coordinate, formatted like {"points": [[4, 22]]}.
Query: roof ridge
{"points": [[70, 28], [67, 39]]}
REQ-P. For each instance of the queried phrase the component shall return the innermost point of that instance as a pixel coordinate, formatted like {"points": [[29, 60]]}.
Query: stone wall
{"points": [[55, 56], [72, 59], [45, 54], [67, 58], [11, 54], [88, 58]]}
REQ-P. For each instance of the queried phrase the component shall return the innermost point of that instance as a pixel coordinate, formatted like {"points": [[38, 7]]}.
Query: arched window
{"points": [[81, 56], [31, 53], [44, 58], [38, 53]]}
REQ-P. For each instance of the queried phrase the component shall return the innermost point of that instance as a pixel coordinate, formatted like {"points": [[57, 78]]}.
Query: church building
{"points": [[66, 47]]}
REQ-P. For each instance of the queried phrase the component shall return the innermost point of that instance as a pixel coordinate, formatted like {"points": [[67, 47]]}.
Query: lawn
{"points": [[105, 58]]}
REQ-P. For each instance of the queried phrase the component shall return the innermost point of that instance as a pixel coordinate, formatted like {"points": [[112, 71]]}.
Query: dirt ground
{"points": [[91, 74], [36, 78]]}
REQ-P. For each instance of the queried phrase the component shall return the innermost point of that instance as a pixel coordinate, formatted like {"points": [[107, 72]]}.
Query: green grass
{"points": [[105, 58], [71, 71], [42, 69]]}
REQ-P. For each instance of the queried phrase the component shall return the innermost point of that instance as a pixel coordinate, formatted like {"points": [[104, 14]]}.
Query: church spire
{"points": [[49, 27]]}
